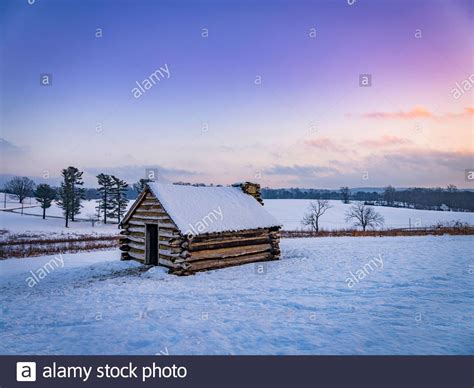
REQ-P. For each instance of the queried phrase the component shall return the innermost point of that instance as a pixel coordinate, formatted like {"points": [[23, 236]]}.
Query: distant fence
{"points": [[25, 247], [418, 231]]}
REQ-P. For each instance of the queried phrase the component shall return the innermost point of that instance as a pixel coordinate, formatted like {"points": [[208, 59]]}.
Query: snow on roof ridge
{"points": [[211, 209]]}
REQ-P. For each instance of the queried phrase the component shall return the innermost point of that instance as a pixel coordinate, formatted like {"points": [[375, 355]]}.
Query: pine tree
{"points": [[45, 195], [71, 193], [65, 194], [79, 192], [105, 195], [119, 197]]}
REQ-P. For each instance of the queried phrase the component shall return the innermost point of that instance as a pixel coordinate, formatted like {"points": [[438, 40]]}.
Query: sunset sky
{"points": [[265, 91]]}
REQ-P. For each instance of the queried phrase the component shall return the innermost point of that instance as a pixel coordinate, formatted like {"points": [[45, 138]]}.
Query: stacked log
{"points": [[219, 250]]}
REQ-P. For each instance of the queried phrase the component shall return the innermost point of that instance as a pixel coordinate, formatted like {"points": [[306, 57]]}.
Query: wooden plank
{"points": [[136, 229], [167, 263], [168, 253], [228, 243], [150, 212], [229, 252], [133, 222], [168, 234], [217, 237], [138, 246], [137, 239], [137, 216], [222, 263], [137, 256]]}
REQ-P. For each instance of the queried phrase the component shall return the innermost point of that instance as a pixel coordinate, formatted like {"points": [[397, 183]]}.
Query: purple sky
{"points": [[258, 98]]}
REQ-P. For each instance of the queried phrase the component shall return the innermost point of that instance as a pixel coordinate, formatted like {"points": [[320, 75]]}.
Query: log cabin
{"points": [[196, 228]]}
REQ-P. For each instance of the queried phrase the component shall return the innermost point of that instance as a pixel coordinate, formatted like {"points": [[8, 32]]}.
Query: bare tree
{"points": [[345, 191], [315, 211], [20, 187], [364, 216]]}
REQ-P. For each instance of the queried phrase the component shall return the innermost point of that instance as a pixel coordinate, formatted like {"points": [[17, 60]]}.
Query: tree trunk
{"points": [[21, 207], [44, 213], [67, 220], [105, 206]]}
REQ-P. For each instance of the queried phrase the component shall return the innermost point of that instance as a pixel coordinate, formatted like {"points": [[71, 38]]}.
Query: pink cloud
{"points": [[385, 141], [465, 113], [416, 113], [324, 143]]}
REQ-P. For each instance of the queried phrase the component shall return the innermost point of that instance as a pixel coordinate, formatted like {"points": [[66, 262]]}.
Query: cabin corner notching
{"points": [[189, 229]]}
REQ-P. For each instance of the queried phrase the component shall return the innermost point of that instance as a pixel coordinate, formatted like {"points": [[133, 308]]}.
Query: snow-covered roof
{"points": [[201, 210]]}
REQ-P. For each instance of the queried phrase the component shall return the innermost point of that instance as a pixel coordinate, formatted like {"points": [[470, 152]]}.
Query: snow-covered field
{"points": [[88, 210], [290, 212], [31, 221], [419, 302], [27, 224]]}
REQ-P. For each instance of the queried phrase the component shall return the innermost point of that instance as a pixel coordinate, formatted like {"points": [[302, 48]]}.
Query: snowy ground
{"points": [[420, 302], [31, 222], [290, 212], [26, 224]]}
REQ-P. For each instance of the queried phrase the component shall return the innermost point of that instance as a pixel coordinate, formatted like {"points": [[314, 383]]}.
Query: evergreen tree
{"points": [[71, 193], [45, 195], [65, 194], [105, 191], [79, 192], [119, 197]]}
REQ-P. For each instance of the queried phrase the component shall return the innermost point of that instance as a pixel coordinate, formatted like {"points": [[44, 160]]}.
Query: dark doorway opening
{"points": [[151, 254]]}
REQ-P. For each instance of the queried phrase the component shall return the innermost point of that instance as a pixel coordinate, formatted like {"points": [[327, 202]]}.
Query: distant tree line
{"points": [[449, 198], [343, 194]]}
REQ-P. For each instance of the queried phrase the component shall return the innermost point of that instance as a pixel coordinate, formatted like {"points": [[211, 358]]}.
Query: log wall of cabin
{"points": [[221, 250], [132, 241]]}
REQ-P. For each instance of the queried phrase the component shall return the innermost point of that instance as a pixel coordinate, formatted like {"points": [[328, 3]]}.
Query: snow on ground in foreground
{"points": [[290, 212], [420, 302]]}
